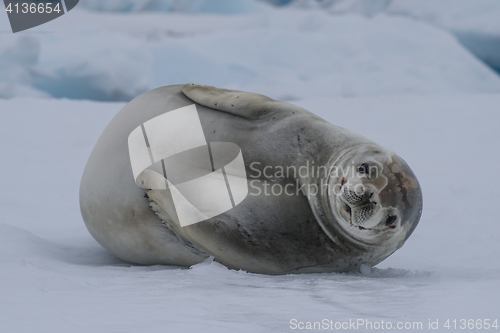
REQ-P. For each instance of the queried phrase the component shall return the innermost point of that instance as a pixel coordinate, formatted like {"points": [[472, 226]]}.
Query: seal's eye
{"points": [[363, 168]]}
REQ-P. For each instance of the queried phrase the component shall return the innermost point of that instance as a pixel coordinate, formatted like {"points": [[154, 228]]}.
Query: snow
{"points": [[118, 56], [56, 278]]}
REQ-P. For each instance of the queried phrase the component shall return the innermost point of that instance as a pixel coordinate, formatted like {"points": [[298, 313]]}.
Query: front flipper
{"points": [[239, 103]]}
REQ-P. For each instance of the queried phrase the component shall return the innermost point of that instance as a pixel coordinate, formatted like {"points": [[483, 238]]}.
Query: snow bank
{"points": [[302, 55], [287, 54], [93, 65], [18, 59], [185, 6], [56, 278], [475, 23]]}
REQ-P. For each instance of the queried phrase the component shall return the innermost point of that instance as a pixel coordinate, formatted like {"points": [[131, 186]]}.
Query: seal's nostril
{"points": [[390, 220]]}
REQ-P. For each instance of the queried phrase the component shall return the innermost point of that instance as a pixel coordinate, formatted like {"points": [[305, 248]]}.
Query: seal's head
{"points": [[374, 197]]}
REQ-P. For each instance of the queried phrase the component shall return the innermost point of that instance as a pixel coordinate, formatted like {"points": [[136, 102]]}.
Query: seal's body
{"points": [[321, 198]]}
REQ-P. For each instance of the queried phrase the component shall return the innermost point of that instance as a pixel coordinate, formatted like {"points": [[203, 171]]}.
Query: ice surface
{"points": [[56, 278], [287, 54]]}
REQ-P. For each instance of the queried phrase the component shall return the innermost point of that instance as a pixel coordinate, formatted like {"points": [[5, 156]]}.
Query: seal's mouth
{"points": [[361, 208]]}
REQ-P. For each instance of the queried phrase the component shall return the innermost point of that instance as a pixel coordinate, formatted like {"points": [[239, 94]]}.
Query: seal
{"points": [[321, 198]]}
